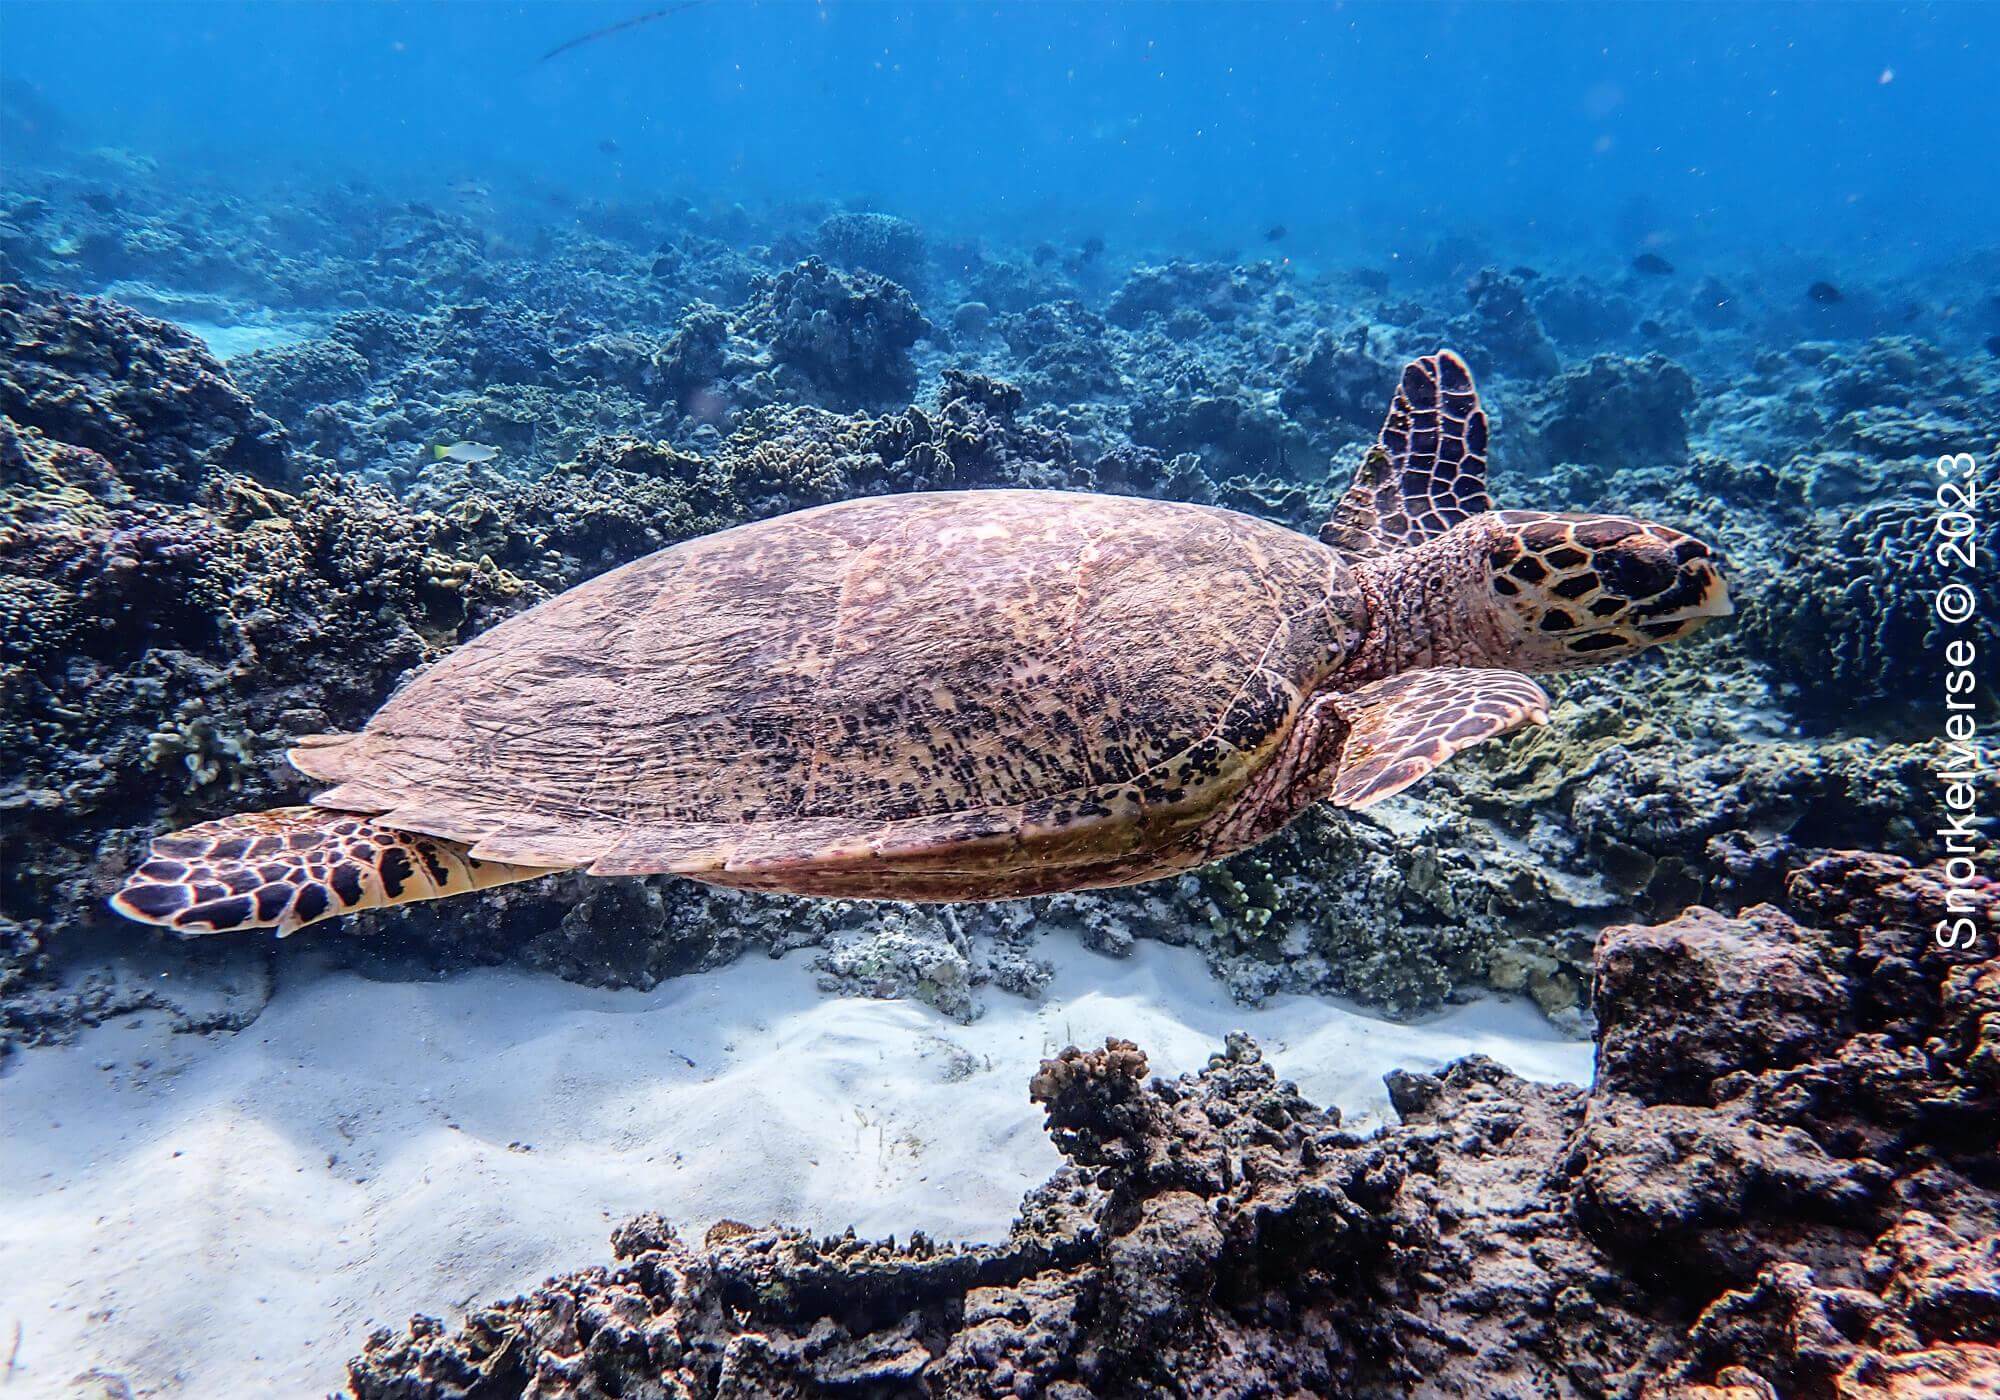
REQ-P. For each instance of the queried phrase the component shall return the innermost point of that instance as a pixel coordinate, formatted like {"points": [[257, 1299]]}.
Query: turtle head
{"points": [[1575, 590]]}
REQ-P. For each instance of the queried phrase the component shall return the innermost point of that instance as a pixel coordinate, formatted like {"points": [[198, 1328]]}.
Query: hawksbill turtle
{"points": [[960, 696]]}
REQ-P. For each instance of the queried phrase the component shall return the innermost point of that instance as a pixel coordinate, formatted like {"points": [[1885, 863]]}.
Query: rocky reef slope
{"points": [[1781, 1185]]}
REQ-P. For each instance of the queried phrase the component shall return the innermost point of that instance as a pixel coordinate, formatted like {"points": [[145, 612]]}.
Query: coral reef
{"points": [[380, 392], [145, 394], [1504, 325], [265, 452], [1064, 349], [186, 584], [1781, 1185], [1338, 380], [1614, 411], [1849, 614], [879, 243], [1182, 295], [846, 335]]}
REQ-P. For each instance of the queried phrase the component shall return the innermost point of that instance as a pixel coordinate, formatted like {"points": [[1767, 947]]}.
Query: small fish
{"points": [[1526, 274], [466, 454], [1275, 233], [1993, 344], [608, 146], [1825, 293], [1653, 265]]}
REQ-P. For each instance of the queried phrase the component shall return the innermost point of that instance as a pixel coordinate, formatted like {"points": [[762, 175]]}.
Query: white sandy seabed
{"points": [[230, 1214]]}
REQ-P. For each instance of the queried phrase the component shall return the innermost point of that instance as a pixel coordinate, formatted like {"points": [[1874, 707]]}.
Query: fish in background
{"points": [[471, 197], [1275, 233], [1825, 294], [1084, 257], [1652, 265], [465, 454]]}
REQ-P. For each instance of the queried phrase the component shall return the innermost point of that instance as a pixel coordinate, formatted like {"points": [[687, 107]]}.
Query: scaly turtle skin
{"points": [[962, 696]]}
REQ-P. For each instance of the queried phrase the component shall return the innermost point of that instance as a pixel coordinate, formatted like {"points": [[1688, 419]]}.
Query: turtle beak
{"points": [[1715, 601], [1700, 596]]}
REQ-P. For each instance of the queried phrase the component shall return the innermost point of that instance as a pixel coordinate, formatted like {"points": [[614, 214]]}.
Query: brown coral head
{"points": [[1576, 590], [1098, 1111]]}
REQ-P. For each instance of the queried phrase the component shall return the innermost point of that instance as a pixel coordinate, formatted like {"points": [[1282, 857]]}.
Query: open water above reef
{"points": [[332, 335]]}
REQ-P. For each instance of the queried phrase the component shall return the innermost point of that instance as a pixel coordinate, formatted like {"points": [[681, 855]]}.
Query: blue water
{"points": [[1360, 128]]}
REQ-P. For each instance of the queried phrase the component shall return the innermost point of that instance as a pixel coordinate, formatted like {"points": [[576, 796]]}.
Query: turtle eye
{"points": [[1638, 568]]}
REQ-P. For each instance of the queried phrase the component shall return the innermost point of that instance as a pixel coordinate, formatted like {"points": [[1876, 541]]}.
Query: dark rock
{"points": [[1614, 411], [1783, 1002], [1212, 291], [1504, 326], [1341, 379]]}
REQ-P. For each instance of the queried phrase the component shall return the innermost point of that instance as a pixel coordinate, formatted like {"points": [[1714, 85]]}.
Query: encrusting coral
{"points": [[145, 394]]}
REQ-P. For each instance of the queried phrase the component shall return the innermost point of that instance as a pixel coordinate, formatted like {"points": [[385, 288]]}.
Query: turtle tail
{"points": [[294, 866]]}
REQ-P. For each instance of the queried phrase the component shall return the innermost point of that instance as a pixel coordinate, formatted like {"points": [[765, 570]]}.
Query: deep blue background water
{"points": [[1361, 128]]}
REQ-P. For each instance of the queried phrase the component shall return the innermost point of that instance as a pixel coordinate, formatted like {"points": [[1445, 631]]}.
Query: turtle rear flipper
{"points": [[294, 866], [1403, 727]]}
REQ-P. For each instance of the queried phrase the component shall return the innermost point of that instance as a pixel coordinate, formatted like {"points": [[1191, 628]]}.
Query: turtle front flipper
{"points": [[1401, 728], [294, 866], [1427, 469]]}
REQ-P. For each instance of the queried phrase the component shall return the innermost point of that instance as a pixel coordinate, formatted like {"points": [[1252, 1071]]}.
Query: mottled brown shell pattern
{"points": [[949, 680]]}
